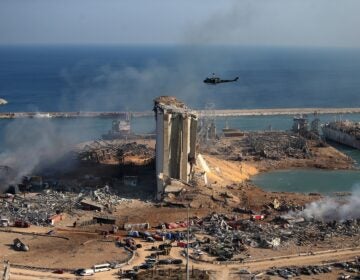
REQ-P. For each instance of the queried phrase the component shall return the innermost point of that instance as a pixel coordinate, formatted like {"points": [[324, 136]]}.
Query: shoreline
{"points": [[215, 113]]}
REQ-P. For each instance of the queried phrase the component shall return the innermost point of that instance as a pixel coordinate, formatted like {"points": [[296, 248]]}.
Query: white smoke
{"points": [[331, 209], [30, 144], [131, 88]]}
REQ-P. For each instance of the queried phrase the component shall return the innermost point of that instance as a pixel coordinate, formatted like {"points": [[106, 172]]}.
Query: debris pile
{"points": [[170, 101], [273, 145], [278, 145], [37, 209], [105, 197], [115, 152], [229, 237]]}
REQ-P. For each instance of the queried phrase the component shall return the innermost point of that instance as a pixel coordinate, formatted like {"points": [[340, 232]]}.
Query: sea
{"points": [[128, 78]]}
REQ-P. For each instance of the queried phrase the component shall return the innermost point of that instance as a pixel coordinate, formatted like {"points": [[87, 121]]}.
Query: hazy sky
{"points": [[243, 22]]}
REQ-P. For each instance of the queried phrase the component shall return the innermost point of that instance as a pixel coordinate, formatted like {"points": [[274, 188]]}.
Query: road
{"points": [[219, 271]]}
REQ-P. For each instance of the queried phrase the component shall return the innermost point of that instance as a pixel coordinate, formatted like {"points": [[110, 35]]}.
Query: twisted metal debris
{"points": [[37, 209]]}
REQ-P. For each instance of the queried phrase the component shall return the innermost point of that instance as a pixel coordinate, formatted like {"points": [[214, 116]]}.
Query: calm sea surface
{"points": [[65, 78]]}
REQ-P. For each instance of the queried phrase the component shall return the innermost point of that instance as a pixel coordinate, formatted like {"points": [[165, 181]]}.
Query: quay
{"points": [[215, 113]]}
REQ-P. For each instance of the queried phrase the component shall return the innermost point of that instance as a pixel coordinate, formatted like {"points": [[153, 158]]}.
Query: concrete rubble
{"points": [[273, 145], [229, 237], [277, 145], [37, 209], [116, 151]]}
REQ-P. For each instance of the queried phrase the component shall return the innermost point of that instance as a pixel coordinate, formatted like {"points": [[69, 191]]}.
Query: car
{"points": [[4, 222], [129, 273], [177, 261], [146, 266], [150, 239], [272, 272], [84, 272], [165, 261], [305, 271], [114, 265]]}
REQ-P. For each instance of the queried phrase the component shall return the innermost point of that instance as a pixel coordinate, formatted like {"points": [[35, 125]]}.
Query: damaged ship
{"points": [[343, 132]]}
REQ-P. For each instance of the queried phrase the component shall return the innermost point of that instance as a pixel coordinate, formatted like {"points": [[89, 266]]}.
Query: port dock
{"points": [[216, 113]]}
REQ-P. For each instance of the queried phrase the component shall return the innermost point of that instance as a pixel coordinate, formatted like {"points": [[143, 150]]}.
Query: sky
{"points": [[331, 23]]}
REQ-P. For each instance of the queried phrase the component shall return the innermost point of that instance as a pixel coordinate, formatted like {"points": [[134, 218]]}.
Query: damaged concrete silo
{"points": [[176, 127]]}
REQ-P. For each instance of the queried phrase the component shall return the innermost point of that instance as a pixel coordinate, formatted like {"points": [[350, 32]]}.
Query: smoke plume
{"points": [[279, 23], [129, 87], [31, 144], [331, 209]]}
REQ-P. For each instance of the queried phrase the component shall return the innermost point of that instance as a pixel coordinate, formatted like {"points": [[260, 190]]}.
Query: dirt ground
{"points": [[80, 250], [229, 271]]}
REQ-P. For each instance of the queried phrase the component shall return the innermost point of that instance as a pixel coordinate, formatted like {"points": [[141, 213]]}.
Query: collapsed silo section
{"points": [[176, 128]]}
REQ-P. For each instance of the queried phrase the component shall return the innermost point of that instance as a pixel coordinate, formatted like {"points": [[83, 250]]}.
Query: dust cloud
{"points": [[331, 209]]}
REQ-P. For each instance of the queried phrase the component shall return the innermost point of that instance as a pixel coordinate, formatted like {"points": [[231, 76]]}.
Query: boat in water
{"points": [[120, 130], [3, 101], [343, 132]]}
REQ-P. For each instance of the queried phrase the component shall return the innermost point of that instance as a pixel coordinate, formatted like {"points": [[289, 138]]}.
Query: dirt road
{"points": [[219, 271]]}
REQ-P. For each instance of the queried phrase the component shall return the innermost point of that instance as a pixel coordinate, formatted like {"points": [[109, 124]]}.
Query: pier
{"points": [[215, 113]]}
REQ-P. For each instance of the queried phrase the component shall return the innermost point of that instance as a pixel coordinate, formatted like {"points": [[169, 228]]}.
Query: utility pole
{"points": [[6, 275], [187, 246]]}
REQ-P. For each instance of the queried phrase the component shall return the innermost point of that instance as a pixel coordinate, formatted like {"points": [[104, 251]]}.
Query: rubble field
{"points": [[115, 182], [278, 150], [139, 152]]}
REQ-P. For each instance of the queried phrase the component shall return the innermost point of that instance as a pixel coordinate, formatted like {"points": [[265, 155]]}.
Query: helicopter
{"points": [[216, 80]]}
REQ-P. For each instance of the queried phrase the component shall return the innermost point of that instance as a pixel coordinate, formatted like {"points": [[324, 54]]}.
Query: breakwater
{"points": [[216, 113]]}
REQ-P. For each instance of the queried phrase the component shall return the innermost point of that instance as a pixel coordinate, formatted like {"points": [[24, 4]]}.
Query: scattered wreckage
{"points": [[115, 151], [47, 207], [229, 238], [275, 145], [18, 245]]}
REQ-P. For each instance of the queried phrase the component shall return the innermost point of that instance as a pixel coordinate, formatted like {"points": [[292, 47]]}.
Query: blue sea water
{"points": [[321, 181], [75, 78]]}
